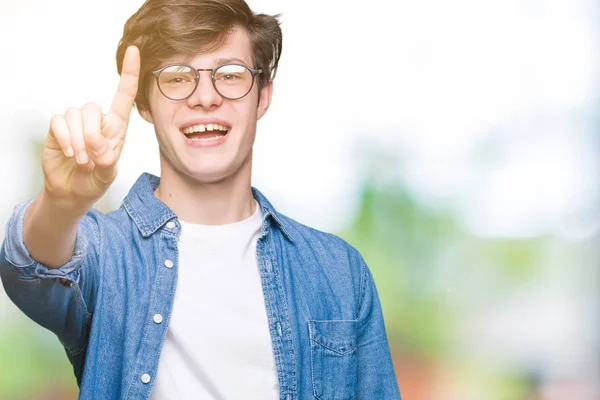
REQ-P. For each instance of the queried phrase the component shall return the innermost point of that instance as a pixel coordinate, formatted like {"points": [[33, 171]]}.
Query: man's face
{"points": [[187, 146]]}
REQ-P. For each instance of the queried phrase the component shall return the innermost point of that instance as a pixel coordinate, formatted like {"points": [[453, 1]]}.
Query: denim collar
{"points": [[149, 213]]}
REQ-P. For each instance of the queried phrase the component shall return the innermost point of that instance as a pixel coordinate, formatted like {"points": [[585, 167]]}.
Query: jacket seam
{"points": [[363, 284], [78, 294]]}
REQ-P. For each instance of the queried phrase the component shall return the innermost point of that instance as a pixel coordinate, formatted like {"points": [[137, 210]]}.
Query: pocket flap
{"points": [[336, 335]]}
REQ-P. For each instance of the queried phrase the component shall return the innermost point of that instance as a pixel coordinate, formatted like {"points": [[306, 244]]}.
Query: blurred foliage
{"points": [[397, 238], [419, 254], [33, 363]]}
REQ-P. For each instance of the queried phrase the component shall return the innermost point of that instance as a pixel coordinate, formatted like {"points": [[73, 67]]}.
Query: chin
{"points": [[210, 169], [206, 175]]}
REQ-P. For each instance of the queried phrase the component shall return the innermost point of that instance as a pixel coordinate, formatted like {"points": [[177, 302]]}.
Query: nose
{"points": [[205, 95]]}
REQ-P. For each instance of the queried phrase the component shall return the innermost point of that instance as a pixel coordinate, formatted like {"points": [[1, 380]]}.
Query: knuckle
{"points": [[72, 111], [91, 124], [55, 120], [91, 107], [56, 128]]}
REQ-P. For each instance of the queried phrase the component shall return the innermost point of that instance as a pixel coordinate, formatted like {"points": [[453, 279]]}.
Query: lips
{"points": [[205, 132]]}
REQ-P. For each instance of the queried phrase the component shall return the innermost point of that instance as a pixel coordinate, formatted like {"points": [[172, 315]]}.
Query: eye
{"points": [[177, 75], [231, 73], [226, 77], [178, 78]]}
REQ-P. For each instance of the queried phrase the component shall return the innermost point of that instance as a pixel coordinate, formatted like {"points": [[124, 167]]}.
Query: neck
{"points": [[222, 202]]}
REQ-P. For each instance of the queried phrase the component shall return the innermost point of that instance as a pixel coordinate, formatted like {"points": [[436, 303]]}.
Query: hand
{"points": [[83, 146]]}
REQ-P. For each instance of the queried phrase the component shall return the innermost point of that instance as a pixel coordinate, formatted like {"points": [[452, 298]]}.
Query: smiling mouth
{"points": [[205, 133]]}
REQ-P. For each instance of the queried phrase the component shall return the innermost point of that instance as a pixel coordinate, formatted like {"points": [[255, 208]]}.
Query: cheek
{"points": [[162, 108], [249, 111], [164, 115]]}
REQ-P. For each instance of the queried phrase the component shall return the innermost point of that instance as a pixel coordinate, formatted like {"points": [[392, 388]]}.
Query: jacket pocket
{"points": [[333, 353]]}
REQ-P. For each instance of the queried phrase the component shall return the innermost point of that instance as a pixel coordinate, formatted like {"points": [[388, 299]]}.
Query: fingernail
{"points": [[69, 152], [82, 157]]}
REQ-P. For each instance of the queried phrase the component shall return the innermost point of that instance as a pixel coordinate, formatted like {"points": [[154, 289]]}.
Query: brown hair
{"points": [[162, 29]]}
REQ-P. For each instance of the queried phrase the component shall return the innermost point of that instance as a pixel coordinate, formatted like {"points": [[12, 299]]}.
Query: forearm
{"points": [[50, 230]]}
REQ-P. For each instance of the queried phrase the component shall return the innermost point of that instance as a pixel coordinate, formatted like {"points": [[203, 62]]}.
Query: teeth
{"points": [[206, 139], [204, 128]]}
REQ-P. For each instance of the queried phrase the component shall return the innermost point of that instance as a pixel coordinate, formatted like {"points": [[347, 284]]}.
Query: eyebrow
{"points": [[222, 61], [218, 62]]}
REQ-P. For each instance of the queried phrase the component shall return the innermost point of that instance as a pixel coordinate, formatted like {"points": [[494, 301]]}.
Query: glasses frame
{"points": [[197, 71]]}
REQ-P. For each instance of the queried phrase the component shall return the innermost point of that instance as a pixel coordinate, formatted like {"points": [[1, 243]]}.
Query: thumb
{"points": [[100, 150]]}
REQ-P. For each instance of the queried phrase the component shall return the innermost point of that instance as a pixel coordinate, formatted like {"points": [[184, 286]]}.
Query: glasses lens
{"points": [[233, 81], [177, 81]]}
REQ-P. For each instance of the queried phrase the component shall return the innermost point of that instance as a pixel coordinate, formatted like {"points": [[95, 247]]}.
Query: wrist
{"points": [[65, 206]]}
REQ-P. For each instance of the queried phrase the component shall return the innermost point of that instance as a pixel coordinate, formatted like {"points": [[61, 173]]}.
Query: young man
{"points": [[195, 288]]}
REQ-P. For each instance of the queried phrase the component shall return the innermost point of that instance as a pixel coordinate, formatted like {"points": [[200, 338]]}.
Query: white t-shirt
{"points": [[218, 344]]}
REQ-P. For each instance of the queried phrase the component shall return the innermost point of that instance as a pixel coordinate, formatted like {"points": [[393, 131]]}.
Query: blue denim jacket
{"points": [[323, 310]]}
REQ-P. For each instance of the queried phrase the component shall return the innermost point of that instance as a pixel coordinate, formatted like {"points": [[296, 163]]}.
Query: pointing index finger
{"points": [[128, 84]]}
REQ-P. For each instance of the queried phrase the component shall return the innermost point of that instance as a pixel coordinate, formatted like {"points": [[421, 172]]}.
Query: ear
{"points": [[147, 115], [264, 99]]}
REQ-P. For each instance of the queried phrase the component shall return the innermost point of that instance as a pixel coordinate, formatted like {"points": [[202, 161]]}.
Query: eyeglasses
{"points": [[231, 81]]}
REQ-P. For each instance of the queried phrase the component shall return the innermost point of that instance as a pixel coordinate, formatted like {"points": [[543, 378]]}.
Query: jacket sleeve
{"points": [[376, 377], [61, 300]]}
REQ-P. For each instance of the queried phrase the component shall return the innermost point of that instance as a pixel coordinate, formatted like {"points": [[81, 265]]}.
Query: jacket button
{"points": [[66, 283], [158, 318], [145, 378], [170, 225], [169, 264]]}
